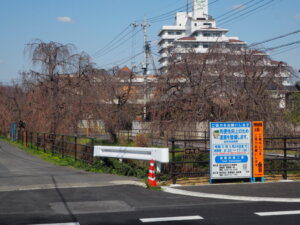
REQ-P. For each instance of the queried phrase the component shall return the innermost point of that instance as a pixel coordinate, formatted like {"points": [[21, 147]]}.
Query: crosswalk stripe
{"points": [[169, 219], [278, 213]]}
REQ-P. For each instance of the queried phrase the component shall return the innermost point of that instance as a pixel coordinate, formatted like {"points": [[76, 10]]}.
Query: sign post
{"points": [[258, 150], [230, 155], [13, 131]]}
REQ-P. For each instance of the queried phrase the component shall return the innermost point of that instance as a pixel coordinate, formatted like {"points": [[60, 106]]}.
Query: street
{"points": [[35, 192]]}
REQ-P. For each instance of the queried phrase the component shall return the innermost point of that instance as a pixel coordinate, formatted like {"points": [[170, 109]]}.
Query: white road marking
{"points": [[228, 197], [278, 213], [168, 219], [58, 224], [69, 185]]}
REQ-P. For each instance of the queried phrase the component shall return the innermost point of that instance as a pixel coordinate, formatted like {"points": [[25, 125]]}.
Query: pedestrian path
{"points": [[20, 171]]}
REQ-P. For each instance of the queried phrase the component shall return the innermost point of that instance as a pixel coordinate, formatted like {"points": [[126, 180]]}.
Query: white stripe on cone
{"points": [[151, 178]]}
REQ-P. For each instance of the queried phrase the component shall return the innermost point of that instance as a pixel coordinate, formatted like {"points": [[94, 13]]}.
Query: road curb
{"points": [[229, 197]]}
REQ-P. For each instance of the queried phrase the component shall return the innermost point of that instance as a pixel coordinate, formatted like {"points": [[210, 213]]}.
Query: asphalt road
{"points": [[35, 192]]}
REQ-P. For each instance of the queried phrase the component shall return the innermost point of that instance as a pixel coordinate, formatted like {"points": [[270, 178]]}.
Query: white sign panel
{"points": [[158, 154], [201, 4], [200, 8], [230, 154]]}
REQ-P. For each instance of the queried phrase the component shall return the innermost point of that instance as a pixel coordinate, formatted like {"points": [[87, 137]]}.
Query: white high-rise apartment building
{"points": [[193, 30]]}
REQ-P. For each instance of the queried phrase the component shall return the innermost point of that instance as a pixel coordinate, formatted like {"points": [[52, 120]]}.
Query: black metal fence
{"points": [[79, 148], [282, 156], [154, 138], [188, 157]]}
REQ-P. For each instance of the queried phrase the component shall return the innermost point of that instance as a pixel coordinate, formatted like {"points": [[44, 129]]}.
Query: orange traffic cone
{"points": [[151, 175]]}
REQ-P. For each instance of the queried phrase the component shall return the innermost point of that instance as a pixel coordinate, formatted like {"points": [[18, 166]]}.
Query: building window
{"points": [[207, 24], [178, 33], [217, 34], [195, 24], [206, 34], [206, 45]]}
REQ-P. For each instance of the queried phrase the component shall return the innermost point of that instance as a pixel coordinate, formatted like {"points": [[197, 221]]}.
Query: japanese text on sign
{"points": [[230, 150], [258, 149]]}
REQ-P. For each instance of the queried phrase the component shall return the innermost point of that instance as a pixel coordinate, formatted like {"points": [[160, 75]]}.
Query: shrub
{"points": [[140, 140], [123, 140]]}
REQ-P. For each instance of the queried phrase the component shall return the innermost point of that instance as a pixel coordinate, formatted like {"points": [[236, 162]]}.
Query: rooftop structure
{"points": [[194, 30]]}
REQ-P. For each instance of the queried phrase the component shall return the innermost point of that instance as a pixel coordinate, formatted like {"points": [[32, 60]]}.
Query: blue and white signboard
{"points": [[230, 154]]}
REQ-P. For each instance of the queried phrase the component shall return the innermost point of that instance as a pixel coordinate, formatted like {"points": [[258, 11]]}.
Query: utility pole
{"points": [[145, 66], [146, 47]]}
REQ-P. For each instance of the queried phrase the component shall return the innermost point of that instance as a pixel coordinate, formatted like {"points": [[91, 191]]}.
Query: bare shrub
{"points": [[140, 140]]}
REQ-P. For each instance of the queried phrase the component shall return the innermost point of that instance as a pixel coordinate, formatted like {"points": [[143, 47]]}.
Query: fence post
{"points": [[167, 140], [22, 136], [285, 166], [128, 139], [25, 137], [92, 152], [184, 137], [173, 162], [37, 139], [31, 134], [44, 146], [205, 140], [152, 137], [18, 134], [62, 145], [75, 149], [52, 143]]}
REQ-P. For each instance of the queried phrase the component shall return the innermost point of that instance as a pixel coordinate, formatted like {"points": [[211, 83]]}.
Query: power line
{"points": [[170, 14], [117, 44], [112, 41], [133, 44], [282, 46], [251, 8], [286, 50], [234, 10], [108, 48], [167, 13], [123, 60], [230, 19], [166, 16], [158, 16], [275, 38]]}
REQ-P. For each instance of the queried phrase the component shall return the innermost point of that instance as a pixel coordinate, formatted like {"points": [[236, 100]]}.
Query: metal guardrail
{"points": [[160, 155]]}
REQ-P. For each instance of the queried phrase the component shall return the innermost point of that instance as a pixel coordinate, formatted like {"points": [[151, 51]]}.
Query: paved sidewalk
{"points": [[272, 192], [22, 171], [278, 189]]}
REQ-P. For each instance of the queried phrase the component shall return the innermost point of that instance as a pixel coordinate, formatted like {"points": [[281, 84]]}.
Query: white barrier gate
{"points": [[159, 155]]}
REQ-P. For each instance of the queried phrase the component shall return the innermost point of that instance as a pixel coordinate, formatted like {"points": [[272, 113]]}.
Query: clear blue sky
{"points": [[91, 24]]}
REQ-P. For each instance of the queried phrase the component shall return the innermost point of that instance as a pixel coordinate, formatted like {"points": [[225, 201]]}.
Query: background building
{"points": [[195, 31]]}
